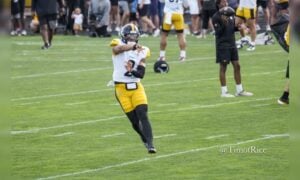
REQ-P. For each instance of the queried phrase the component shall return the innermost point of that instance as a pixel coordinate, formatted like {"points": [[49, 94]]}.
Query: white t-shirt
{"points": [[251, 4], [174, 6], [78, 18], [145, 1]]}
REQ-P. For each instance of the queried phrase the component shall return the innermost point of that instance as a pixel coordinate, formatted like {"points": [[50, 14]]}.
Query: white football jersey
{"points": [[174, 6], [120, 62], [251, 4]]}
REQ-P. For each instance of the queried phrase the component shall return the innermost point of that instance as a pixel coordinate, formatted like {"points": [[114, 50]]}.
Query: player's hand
{"points": [[225, 19]]}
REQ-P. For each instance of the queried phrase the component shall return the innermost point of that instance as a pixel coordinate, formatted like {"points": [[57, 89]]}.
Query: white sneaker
{"points": [[201, 36], [156, 33], [108, 29], [118, 29], [24, 33], [227, 95], [162, 58], [13, 33], [244, 93], [182, 59], [251, 47]]}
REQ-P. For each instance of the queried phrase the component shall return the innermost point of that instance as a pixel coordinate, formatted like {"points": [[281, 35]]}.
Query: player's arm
{"points": [[218, 25], [141, 69], [124, 47]]}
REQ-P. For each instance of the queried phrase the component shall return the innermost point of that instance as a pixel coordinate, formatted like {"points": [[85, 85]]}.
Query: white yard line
{"points": [[58, 73], [147, 85], [76, 103], [63, 134], [59, 95], [261, 105], [36, 130], [167, 104], [165, 135], [87, 171], [112, 135], [29, 103], [216, 136]]}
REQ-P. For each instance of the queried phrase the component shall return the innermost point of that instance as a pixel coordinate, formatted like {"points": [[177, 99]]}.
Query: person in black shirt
{"points": [[226, 51], [46, 11]]}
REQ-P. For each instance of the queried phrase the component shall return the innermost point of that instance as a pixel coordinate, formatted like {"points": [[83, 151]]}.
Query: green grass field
{"points": [[66, 123]]}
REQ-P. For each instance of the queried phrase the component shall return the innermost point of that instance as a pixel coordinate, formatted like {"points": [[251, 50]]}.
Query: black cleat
{"points": [[283, 101], [151, 150], [46, 46]]}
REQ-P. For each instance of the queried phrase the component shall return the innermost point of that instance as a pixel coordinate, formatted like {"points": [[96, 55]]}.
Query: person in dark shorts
{"points": [[264, 5], [226, 51], [208, 10], [15, 17], [46, 11]]}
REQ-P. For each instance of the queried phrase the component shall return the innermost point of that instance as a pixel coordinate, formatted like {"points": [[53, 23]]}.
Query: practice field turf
{"points": [[67, 124]]}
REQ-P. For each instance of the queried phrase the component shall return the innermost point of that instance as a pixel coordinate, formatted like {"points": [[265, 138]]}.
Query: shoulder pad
{"points": [[115, 42]]}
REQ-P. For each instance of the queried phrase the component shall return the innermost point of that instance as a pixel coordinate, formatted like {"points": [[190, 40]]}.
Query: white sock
{"points": [[239, 88], [162, 54], [224, 89], [182, 53]]}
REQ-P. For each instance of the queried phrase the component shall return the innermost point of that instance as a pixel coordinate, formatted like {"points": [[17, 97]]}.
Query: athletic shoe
{"points": [[244, 93], [156, 33], [181, 59], [244, 41], [117, 29], [46, 46], [24, 33], [282, 101], [151, 150], [161, 58], [227, 95], [13, 33], [251, 47], [201, 36]]}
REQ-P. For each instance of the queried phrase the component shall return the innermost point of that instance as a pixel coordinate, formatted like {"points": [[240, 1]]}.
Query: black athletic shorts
{"points": [[50, 20], [114, 2], [145, 10], [15, 8], [282, 6], [262, 3], [227, 55]]}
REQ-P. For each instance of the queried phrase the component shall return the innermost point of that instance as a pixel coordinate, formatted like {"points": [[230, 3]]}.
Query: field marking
{"points": [[63, 134], [58, 73], [261, 105], [78, 173], [167, 104], [112, 135], [76, 103], [59, 95], [29, 103], [163, 136], [36, 130], [216, 136], [146, 85]]}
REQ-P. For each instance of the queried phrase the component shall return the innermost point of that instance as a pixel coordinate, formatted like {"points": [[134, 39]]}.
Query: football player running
{"points": [[226, 50], [129, 68], [173, 15]]}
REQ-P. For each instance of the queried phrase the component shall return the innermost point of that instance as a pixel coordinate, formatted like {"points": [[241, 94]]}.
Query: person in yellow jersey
{"points": [[173, 15], [129, 68], [245, 16]]}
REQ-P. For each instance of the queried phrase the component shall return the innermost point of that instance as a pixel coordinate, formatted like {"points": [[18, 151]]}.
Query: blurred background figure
{"points": [[124, 11], [208, 10], [144, 12], [264, 5], [194, 6], [46, 11], [15, 18], [114, 16], [78, 20], [71, 6], [99, 11]]}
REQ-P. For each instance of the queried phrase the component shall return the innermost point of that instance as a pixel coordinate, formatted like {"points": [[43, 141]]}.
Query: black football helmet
{"points": [[161, 67], [130, 33]]}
